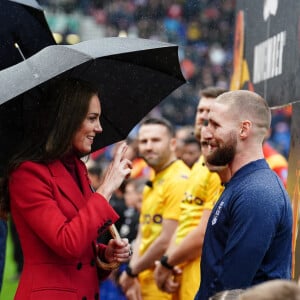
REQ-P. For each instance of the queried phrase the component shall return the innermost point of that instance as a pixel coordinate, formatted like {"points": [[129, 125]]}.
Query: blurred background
{"points": [[203, 29]]}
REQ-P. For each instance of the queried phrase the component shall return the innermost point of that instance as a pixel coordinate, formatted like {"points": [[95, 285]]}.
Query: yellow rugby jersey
{"points": [[203, 190], [162, 201]]}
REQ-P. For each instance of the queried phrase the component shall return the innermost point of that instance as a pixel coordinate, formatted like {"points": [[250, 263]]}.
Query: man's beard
{"points": [[223, 155], [152, 161]]}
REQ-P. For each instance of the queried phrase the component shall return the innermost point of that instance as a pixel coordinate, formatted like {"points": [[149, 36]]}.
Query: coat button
{"points": [[92, 262], [84, 298], [79, 266], [96, 296]]}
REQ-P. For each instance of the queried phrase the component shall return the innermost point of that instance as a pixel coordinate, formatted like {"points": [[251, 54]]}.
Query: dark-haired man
{"points": [[201, 193], [160, 209]]}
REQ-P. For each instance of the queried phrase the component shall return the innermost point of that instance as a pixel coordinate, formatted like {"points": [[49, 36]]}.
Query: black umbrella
{"points": [[30, 3], [23, 25], [133, 76]]}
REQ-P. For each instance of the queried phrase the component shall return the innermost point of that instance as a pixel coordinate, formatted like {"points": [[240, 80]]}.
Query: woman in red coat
{"points": [[57, 215]]}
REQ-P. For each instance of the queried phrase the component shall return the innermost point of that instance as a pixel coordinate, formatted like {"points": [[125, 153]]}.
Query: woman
{"points": [[57, 215]]}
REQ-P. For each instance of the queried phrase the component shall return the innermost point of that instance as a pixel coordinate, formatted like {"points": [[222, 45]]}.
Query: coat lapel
{"points": [[67, 185], [83, 178]]}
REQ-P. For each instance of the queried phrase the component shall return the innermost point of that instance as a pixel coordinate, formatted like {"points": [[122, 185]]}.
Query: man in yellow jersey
{"points": [[160, 209], [276, 161], [202, 191]]}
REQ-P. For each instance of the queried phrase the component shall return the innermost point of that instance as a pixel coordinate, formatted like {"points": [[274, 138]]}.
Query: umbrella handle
{"points": [[113, 265]]}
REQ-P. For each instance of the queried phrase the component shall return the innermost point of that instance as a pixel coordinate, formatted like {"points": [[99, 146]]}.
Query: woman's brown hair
{"points": [[49, 135]]}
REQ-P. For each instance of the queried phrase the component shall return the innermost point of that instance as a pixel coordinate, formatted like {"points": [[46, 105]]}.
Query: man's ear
{"points": [[245, 128], [173, 143]]}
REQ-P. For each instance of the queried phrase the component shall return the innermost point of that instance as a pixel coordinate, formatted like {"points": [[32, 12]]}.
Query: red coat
{"points": [[57, 224]]}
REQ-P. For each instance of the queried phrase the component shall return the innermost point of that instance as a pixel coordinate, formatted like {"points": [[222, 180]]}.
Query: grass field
{"points": [[9, 283]]}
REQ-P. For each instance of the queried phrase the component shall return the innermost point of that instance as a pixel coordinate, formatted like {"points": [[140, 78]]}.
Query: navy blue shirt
{"points": [[249, 233]]}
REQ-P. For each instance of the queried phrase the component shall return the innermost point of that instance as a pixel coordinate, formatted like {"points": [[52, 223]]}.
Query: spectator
{"points": [[203, 30]]}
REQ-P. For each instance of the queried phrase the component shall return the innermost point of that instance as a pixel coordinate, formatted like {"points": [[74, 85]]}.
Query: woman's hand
{"points": [[118, 251], [117, 171]]}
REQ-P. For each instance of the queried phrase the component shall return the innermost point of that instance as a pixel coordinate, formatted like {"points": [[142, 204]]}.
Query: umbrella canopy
{"points": [[133, 76], [24, 23]]}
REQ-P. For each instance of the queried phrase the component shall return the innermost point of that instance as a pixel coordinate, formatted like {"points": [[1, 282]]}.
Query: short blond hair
{"points": [[247, 105], [278, 289], [227, 295]]}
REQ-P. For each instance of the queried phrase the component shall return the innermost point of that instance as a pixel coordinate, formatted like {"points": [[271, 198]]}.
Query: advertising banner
{"points": [[267, 51]]}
